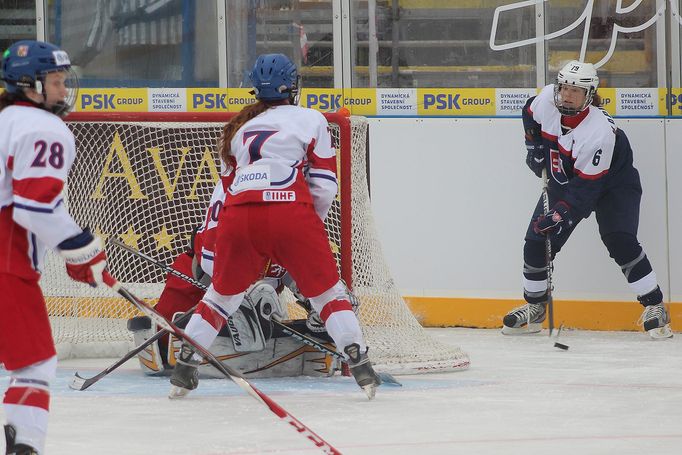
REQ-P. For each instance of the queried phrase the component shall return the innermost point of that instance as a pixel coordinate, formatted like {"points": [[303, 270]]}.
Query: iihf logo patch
{"points": [[279, 196], [22, 51], [557, 167]]}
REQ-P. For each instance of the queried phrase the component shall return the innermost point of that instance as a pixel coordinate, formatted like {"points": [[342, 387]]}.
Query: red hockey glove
{"points": [[85, 259]]}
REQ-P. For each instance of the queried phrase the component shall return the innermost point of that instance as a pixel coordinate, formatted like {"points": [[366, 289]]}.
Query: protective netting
{"points": [[148, 185]]}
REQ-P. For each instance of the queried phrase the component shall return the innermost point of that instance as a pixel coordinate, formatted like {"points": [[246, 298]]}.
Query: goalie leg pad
{"points": [[282, 357], [244, 325], [150, 358]]}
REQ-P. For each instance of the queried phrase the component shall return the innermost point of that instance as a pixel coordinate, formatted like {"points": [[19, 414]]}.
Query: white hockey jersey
{"points": [[589, 145], [36, 153], [285, 154], [581, 157]]}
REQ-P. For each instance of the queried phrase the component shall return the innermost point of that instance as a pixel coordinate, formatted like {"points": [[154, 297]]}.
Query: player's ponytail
{"points": [[596, 100], [7, 99], [229, 130]]}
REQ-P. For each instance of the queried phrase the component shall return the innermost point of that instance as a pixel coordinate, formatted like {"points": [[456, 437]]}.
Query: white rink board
{"points": [[674, 178], [452, 199]]}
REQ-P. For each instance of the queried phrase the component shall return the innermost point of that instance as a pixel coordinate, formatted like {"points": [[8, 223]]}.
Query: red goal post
{"points": [[146, 179]]}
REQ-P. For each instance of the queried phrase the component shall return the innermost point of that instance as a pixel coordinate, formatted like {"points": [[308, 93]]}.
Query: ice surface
{"points": [[610, 393]]}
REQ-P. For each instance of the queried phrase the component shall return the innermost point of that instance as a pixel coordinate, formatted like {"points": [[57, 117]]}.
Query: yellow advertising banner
{"points": [[360, 101], [464, 101], [237, 98], [675, 102], [322, 99], [112, 100], [207, 100], [608, 99], [483, 102]]}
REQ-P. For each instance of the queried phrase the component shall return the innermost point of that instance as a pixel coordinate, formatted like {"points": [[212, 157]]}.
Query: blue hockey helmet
{"points": [[26, 63], [274, 77]]}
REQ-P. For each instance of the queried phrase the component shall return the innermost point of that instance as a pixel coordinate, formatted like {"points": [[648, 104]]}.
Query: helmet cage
{"points": [[576, 74]]}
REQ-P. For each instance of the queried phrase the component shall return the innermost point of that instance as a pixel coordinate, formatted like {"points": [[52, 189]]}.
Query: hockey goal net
{"points": [[146, 180]]}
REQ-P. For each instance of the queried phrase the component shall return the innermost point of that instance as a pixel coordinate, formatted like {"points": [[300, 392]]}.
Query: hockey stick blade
{"points": [[229, 372], [387, 378], [80, 383]]}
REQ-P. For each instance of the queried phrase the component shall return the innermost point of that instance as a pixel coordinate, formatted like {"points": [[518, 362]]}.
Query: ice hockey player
{"points": [[36, 153], [589, 163], [274, 212]]}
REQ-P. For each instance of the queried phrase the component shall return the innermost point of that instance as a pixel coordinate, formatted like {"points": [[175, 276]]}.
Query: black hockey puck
{"points": [[561, 346]]}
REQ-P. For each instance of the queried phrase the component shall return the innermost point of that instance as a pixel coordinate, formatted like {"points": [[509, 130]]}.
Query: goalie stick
{"points": [[229, 372], [386, 378]]}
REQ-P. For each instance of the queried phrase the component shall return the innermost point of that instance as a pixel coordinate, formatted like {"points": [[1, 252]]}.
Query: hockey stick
{"points": [[548, 255], [229, 372], [385, 377], [80, 383]]}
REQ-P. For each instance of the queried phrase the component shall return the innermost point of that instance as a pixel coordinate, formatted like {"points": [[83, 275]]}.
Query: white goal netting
{"points": [[148, 184]]}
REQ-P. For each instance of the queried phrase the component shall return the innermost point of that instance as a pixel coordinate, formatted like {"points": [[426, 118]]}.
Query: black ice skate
{"points": [[16, 449], [362, 370], [524, 319], [656, 321], [185, 377]]}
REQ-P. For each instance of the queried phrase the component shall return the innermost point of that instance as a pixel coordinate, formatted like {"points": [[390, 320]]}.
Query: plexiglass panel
{"points": [[17, 21], [138, 43], [618, 36], [300, 29], [441, 43]]}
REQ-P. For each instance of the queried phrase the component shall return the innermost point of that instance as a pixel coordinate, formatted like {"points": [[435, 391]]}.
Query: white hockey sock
{"points": [[344, 328], [201, 331]]}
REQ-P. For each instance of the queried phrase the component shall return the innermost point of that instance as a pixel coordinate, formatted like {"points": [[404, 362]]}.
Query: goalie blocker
{"points": [[248, 343]]}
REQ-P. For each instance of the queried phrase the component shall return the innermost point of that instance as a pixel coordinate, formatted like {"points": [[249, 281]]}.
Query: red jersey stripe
{"points": [[40, 189], [582, 175], [333, 307], [548, 136]]}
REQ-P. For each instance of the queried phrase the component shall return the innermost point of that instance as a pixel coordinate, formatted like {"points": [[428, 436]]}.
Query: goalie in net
{"points": [[249, 341]]}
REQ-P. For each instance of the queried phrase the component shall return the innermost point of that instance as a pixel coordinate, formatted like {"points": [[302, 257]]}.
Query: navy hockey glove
{"points": [[554, 221], [535, 158]]}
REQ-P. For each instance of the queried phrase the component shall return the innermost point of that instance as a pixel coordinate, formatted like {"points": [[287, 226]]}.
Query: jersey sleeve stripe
{"points": [[322, 176], [582, 175], [327, 164], [548, 136], [565, 152], [42, 189], [32, 208]]}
